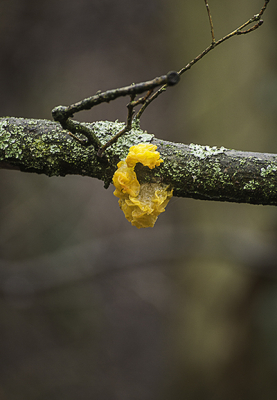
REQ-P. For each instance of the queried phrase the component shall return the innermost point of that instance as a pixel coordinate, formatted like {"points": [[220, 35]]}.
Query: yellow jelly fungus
{"points": [[143, 203], [145, 154], [125, 180]]}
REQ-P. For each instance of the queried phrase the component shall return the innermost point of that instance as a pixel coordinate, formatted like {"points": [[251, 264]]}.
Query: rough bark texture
{"points": [[200, 172]]}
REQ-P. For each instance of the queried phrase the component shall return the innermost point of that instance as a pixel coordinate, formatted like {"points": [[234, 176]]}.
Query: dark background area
{"points": [[91, 307]]}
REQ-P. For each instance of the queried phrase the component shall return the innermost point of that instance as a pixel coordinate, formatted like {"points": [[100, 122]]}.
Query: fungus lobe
{"points": [[141, 203]]}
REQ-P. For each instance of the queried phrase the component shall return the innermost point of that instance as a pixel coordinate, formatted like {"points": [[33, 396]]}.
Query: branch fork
{"points": [[63, 114]]}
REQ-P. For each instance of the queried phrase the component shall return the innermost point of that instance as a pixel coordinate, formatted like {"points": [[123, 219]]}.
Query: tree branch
{"points": [[199, 172], [239, 31]]}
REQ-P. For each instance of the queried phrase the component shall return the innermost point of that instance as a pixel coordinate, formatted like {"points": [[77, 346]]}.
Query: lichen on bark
{"points": [[200, 172]]}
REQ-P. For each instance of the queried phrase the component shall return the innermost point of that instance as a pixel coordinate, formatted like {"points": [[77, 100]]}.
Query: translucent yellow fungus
{"points": [[144, 153], [125, 180], [143, 203]]}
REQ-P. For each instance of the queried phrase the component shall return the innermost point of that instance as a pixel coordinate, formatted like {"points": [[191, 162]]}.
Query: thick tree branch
{"points": [[200, 172]]}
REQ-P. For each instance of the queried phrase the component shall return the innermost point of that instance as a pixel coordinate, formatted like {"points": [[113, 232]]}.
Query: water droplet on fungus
{"points": [[143, 203]]}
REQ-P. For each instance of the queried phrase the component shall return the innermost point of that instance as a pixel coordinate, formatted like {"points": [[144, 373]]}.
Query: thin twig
{"points": [[133, 103], [210, 20], [63, 113], [239, 31], [126, 128]]}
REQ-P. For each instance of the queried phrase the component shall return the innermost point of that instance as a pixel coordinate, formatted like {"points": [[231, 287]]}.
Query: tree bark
{"points": [[199, 172]]}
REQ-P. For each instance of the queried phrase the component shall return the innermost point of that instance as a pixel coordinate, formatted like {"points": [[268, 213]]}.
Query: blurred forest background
{"points": [[91, 307]]}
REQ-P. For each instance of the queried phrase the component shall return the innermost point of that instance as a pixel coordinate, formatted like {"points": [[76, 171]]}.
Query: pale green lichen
{"points": [[40, 142], [216, 167], [54, 149], [182, 166], [243, 162], [24, 142], [214, 170], [205, 151], [269, 170], [4, 139], [251, 185], [107, 129]]}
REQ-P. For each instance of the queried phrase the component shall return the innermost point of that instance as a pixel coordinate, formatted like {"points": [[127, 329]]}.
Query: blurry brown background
{"points": [[91, 307]]}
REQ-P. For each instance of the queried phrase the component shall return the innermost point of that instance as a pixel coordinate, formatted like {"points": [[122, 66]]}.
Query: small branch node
{"points": [[173, 78]]}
